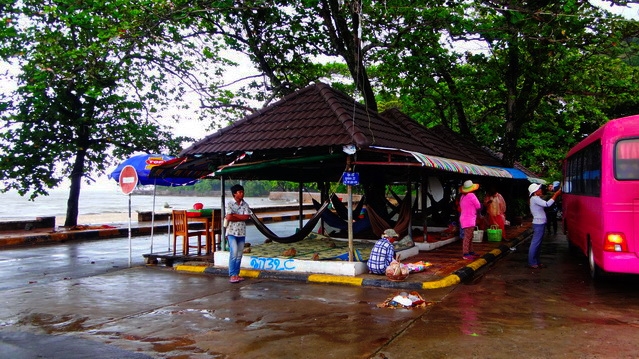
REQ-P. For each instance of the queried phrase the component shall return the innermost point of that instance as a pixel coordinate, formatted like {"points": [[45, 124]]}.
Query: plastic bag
{"points": [[417, 266], [397, 271]]}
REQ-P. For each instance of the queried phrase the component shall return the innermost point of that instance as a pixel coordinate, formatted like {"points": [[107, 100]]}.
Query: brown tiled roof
{"points": [[301, 137], [466, 148], [437, 143], [314, 119]]}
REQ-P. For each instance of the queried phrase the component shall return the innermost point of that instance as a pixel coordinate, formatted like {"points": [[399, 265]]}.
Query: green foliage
{"points": [[527, 79], [484, 69], [523, 84], [92, 81]]}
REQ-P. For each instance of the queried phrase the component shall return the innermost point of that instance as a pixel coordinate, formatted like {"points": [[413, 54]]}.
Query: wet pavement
{"points": [[112, 311], [166, 314], [60, 298]]}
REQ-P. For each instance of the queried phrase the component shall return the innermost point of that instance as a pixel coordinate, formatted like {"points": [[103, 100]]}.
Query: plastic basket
{"points": [[478, 235], [494, 233]]}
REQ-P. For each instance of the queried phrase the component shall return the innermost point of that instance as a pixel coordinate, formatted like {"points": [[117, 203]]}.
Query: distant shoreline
{"points": [[283, 198], [100, 218], [180, 193]]}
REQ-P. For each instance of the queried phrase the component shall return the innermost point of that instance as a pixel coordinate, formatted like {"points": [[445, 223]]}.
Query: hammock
{"points": [[341, 209], [394, 208], [301, 234], [335, 221], [379, 224]]}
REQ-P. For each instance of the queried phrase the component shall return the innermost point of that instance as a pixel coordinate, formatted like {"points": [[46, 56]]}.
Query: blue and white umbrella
{"points": [[143, 164]]}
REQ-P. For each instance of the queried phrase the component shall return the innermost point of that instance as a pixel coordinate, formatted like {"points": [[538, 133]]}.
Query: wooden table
{"points": [[211, 226], [207, 227]]}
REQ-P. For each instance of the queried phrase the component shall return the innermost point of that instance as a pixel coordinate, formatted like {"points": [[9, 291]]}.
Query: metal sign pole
{"points": [[350, 223], [129, 230], [153, 214], [128, 181]]}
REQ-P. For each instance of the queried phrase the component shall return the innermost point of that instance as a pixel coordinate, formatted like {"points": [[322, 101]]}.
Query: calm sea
{"points": [[104, 201]]}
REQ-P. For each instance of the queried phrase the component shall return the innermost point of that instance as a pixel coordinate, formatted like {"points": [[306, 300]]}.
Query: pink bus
{"points": [[600, 200]]}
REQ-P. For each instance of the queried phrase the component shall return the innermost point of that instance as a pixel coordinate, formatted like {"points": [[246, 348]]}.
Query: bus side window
{"points": [[567, 187], [627, 169], [627, 159]]}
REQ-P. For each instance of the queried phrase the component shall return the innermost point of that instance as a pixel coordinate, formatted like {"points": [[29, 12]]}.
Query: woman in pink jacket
{"points": [[469, 206]]}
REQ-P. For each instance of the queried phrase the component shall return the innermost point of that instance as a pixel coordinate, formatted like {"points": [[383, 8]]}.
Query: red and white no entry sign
{"points": [[128, 179]]}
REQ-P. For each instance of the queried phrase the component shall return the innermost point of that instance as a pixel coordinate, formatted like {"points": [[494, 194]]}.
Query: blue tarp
{"points": [[518, 174]]}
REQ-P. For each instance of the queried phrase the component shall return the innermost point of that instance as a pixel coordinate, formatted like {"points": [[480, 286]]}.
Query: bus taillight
{"points": [[615, 242]]}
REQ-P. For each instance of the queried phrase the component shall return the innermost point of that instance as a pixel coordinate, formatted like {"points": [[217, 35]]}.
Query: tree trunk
{"points": [[457, 104], [512, 75], [74, 193], [347, 43]]}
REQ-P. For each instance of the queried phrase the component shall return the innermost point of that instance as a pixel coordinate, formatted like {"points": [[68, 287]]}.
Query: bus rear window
{"points": [[627, 159]]}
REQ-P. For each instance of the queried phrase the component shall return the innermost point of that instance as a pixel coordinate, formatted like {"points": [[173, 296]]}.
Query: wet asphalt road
{"points": [[25, 266], [112, 311]]}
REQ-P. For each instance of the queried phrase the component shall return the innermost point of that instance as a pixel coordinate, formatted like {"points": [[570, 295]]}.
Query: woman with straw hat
{"points": [[469, 206]]}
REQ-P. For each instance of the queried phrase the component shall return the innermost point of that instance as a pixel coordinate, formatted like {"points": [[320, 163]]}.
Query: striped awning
{"points": [[446, 164], [450, 165]]}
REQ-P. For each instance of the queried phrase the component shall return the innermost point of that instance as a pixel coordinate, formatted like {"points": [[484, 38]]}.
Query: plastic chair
{"points": [[181, 229]]}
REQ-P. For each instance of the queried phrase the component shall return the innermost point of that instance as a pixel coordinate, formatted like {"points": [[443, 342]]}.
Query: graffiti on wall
{"points": [[266, 263]]}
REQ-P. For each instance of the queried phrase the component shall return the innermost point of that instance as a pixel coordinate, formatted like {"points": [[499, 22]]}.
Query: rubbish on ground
{"points": [[291, 252], [404, 300], [418, 266]]}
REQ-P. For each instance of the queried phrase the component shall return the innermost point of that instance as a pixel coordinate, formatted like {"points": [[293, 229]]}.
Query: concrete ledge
{"points": [[425, 246], [38, 222], [147, 216], [292, 265], [101, 233]]}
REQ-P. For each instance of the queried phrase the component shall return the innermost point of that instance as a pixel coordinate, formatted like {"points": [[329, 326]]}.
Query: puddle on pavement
{"points": [[52, 324], [173, 344], [206, 313]]}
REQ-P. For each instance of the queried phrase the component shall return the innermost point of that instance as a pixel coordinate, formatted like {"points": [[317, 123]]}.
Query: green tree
{"points": [[518, 68], [543, 48], [93, 77], [423, 58], [289, 42]]}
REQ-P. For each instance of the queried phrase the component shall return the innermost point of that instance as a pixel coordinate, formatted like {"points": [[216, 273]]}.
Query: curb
{"points": [[458, 276], [102, 233]]}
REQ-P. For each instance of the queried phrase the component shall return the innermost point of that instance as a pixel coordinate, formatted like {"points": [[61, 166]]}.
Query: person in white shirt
{"points": [[237, 213], [537, 206]]}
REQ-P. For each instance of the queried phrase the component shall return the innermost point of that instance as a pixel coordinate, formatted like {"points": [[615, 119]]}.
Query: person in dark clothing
{"points": [[551, 212]]}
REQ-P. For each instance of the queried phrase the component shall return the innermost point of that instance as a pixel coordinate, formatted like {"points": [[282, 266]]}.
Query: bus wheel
{"points": [[595, 271]]}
